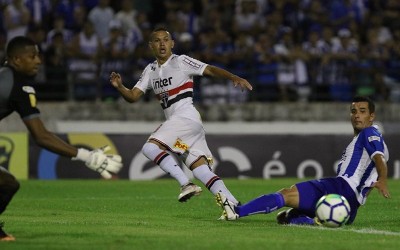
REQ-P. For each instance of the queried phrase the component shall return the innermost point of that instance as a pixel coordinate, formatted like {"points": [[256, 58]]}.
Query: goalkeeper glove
{"points": [[100, 162]]}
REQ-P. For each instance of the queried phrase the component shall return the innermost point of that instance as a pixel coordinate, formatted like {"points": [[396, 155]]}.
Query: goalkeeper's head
{"points": [[22, 54]]}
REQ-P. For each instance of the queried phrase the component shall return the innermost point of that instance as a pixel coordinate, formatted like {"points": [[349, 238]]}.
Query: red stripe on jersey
{"points": [[188, 85]]}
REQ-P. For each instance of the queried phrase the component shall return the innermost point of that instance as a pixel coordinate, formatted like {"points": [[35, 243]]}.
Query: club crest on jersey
{"points": [[28, 89], [179, 144], [164, 98]]}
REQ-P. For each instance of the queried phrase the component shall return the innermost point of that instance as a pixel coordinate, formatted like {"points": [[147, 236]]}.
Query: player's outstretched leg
{"points": [[228, 208]]}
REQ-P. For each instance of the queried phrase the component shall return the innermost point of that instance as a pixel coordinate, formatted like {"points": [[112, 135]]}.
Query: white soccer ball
{"points": [[332, 210]]}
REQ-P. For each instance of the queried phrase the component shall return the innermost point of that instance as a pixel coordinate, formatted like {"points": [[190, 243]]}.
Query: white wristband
{"points": [[82, 155]]}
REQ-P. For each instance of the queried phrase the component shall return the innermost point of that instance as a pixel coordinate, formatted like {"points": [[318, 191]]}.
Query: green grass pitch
{"points": [[122, 214]]}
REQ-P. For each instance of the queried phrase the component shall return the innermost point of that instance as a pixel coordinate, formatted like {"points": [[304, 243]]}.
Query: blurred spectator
{"points": [[343, 11], [40, 11], [16, 19], [115, 58], [392, 75], [246, 17], [56, 60], [85, 52], [70, 11], [331, 48], [292, 70], [100, 16], [383, 33], [341, 61], [266, 67], [391, 14], [38, 35], [218, 15], [59, 27], [315, 17], [127, 16], [369, 75], [316, 48], [189, 17]]}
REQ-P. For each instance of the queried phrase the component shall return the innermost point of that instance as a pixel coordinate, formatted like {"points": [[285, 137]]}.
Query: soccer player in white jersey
{"points": [[171, 78], [361, 168]]}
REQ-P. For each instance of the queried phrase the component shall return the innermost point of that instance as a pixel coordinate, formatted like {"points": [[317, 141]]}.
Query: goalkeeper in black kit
{"points": [[16, 94]]}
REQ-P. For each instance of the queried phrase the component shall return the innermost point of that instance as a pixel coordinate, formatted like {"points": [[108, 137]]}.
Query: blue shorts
{"points": [[311, 191]]}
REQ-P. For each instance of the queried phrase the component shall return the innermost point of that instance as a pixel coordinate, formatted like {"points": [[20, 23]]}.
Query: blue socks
{"points": [[301, 220], [263, 204]]}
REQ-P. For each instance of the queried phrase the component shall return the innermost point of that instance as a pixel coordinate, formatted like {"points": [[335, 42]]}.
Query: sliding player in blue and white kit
{"points": [[170, 77], [362, 167]]}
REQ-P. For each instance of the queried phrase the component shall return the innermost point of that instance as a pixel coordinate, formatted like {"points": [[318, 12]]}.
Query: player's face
{"points": [[28, 61], [161, 44], [360, 116]]}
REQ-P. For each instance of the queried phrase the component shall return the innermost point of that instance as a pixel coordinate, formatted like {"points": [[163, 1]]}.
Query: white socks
{"points": [[212, 182], [202, 173], [165, 161]]}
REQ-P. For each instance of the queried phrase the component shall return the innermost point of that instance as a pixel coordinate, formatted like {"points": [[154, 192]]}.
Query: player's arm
{"points": [[214, 71], [96, 160], [48, 140], [381, 168], [130, 95]]}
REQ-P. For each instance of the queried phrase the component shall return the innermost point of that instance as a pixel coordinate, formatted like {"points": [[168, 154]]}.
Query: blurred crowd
{"points": [[290, 50]]}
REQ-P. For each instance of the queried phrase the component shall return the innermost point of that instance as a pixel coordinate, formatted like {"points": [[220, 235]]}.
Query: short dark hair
{"points": [[160, 28], [371, 104], [17, 45]]}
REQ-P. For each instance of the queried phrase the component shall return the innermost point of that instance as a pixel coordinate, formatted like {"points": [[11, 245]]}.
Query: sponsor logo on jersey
{"points": [[28, 89], [191, 63], [160, 83], [181, 145], [374, 138]]}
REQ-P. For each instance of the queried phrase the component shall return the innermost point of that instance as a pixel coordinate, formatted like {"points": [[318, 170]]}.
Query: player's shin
{"points": [[213, 182], [263, 204], [8, 187], [166, 162]]}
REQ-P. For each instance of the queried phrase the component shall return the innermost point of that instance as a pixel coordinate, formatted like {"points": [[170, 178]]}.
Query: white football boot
{"points": [[189, 190], [228, 207]]}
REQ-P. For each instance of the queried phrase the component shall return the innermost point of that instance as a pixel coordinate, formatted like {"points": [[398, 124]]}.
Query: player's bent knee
{"points": [[291, 196], [195, 158], [148, 148]]}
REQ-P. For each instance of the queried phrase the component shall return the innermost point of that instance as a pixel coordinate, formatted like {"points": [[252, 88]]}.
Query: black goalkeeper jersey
{"points": [[17, 94]]}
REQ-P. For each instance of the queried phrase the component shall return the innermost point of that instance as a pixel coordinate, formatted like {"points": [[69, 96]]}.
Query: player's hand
{"points": [[97, 160], [382, 188], [116, 80], [243, 83]]}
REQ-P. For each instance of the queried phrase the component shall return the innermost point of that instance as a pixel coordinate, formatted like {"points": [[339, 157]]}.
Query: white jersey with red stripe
{"points": [[172, 82]]}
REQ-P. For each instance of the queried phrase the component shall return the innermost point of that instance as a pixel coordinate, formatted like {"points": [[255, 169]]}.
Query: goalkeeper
{"points": [[21, 66]]}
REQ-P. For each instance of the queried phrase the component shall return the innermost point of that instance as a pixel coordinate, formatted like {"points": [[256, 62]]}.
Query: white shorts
{"points": [[181, 136]]}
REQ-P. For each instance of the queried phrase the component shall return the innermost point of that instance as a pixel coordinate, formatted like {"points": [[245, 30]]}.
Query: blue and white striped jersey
{"points": [[357, 166]]}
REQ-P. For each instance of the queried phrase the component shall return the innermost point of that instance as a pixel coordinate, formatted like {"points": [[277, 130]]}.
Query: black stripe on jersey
{"points": [[177, 98]]}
